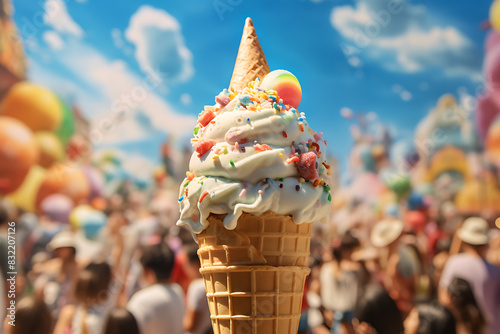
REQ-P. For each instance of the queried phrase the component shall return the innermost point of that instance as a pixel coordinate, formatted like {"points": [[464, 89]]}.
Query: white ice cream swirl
{"points": [[254, 154]]}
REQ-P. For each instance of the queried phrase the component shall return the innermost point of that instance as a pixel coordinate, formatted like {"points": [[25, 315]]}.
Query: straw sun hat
{"points": [[61, 240], [474, 231], [385, 232]]}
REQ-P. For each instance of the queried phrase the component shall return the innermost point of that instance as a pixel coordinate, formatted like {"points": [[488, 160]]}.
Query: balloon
{"points": [[67, 127], [492, 41], [24, 196], [77, 214], [392, 210], [50, 147], [398, 182], [35, 106], [492, 73], [92, 222], [416, 202], [487, 111], [18, 152], [493, 139], [99, 203], [285, 84], [66, 180], [495, 15], [57, 207], [417, 220], [96, 180]]}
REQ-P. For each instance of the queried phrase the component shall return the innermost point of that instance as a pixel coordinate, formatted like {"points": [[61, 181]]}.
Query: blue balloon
{"points": [[392, 210], [92, 222], [416, 202]]}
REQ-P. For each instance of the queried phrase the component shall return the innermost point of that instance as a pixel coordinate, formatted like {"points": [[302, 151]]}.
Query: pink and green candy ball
{"points": [[285, 84]]}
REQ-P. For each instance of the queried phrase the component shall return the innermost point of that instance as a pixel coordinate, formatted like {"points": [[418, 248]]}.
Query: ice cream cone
{"points": [[254, 299], [267, 239], [251, 62]]}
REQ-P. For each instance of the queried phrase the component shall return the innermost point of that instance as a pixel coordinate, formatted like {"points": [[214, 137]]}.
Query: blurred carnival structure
{"points": [[452, 163]]}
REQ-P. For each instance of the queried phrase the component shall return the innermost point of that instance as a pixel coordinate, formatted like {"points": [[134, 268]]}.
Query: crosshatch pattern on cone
{"points": [[266, 239], [254, 299]]}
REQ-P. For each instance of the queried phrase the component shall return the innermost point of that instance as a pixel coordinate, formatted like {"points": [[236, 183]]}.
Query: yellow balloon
{"points": [[495, 15], [25, 196], [35, 106], [50, 147], [74, 216]]}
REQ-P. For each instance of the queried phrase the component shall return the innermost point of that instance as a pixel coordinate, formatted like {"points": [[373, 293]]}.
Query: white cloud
{"points": [[53, 40], [116, 35], [402, 38], [406, 95], [186, 99], [159, 44], [57, 16], [109, 92]]}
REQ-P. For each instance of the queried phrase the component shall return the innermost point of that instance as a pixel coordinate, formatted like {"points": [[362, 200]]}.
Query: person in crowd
{"points": [[386, 236], [316, 312], [493, 255], [121, 321], [438, 262], [57, 277], [91, 293], [197, 317], [32, 316], [430, 318], [472, 266], [460, 300], [340, 283], [376, 312], [159, 307]]}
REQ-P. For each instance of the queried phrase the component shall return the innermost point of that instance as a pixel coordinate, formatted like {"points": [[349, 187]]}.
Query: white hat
{"points": [[474, 231], [385, 232], [62, 239]]}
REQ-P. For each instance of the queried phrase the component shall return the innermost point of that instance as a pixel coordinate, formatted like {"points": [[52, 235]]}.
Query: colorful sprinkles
{"points": [[254, 99]]}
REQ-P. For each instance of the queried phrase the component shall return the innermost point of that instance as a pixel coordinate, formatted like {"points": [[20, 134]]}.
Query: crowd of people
{"points": [[141, 275]]}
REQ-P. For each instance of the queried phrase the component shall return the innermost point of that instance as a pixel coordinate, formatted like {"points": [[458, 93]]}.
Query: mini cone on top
{"points": [[251, 62]]}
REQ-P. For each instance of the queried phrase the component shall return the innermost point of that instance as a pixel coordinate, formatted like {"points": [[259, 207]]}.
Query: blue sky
{"points": [[148, 67]]}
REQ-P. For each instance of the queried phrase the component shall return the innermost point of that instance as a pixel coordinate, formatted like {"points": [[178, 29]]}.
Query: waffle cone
{"points": [[254, 299], [267, 239], [251, 62]]}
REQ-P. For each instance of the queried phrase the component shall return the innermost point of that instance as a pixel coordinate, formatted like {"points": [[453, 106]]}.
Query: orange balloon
{"points": [[18, 152], [493, 139], [66, 180], [99, 203], [35, 106], [50, 147]]}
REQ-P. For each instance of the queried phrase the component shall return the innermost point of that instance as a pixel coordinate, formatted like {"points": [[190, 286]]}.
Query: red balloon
{"points": [[65, 180], [487, 111], [18, 152], [416, 220]]}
